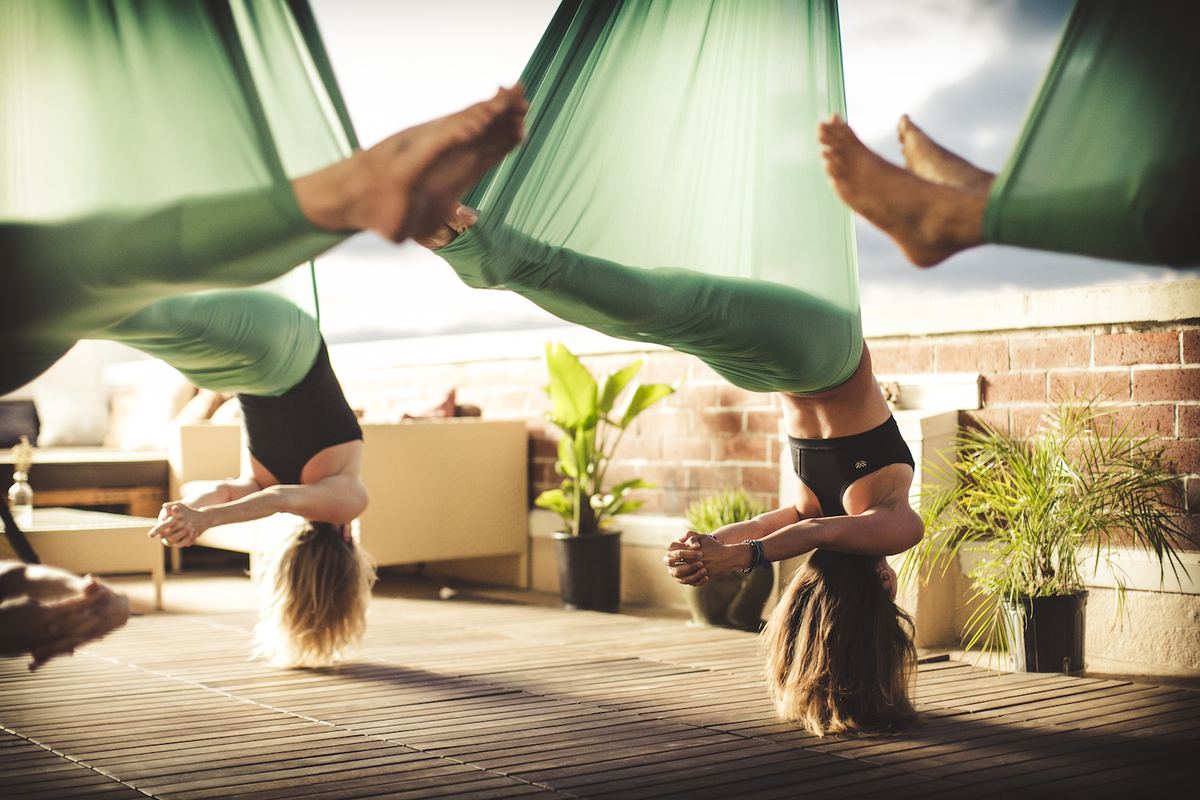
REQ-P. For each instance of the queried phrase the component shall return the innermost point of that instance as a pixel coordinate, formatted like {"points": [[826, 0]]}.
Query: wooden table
{"points": [[97, 542], [136, 481]]}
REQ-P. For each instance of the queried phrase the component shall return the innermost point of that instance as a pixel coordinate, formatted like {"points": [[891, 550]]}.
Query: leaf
{"points": [[642, 397], [572, 389], [612, 384]]}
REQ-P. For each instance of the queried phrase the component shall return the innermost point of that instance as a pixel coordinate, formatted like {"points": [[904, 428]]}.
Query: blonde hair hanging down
{"points": [[314, 595], [839, 652]]}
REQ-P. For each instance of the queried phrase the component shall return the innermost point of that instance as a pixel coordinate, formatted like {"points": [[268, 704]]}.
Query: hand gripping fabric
{"points": [[670, 188], [147, 149], [1108, 164]]}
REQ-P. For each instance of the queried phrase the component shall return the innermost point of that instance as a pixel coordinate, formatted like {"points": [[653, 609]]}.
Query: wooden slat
{"points": [[466, 700]]}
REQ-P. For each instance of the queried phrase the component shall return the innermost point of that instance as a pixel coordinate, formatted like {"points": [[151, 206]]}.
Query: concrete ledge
{"points": [[1171, 300]]}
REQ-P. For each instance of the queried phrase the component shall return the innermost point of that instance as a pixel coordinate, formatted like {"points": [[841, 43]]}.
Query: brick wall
{"points": [[710, 435]]}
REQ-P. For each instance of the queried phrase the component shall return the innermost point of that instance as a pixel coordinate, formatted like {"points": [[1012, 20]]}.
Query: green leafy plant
{"points": [[592, 427], [732, 505], [1038, 509]]}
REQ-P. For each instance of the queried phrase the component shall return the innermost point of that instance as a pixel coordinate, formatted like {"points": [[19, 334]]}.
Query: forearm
{"points": [[256, 505]]}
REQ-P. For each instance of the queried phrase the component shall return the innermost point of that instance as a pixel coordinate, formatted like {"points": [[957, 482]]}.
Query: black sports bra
{"points": [[829, 466], [284, 432]]}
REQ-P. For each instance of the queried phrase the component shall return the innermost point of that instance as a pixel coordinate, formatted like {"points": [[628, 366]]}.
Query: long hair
{"points": [[839, 652], [313, 598]]}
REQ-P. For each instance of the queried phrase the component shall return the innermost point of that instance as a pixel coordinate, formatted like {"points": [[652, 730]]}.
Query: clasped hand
{"points": [[697, 558], [179, 525]]}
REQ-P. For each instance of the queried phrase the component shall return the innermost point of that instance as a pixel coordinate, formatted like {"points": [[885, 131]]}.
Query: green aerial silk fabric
{"points": [[1108, 164], [681, 135], [147, 149]]}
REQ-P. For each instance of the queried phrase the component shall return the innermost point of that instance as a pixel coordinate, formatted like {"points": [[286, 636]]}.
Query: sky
{"points": [[965, 70]]}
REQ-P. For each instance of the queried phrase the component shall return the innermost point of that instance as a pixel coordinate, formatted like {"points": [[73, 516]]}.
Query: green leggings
{"points": [[79, 279], [760, 336], [248, 341]]}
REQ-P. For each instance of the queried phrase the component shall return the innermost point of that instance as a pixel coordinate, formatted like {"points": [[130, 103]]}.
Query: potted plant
{"points": [[735, 600], [589, 558], [1037, 510]]}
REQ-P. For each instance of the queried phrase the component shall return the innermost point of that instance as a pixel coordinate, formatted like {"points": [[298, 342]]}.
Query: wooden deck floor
{"points": [[489, 700]]}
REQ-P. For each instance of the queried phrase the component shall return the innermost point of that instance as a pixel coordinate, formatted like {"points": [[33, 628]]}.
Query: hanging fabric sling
{"points": [[1108, 164], [147, 149], [670, 188]]}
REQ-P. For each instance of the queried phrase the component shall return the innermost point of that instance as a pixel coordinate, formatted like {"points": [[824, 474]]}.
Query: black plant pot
{"points": [[735, 600], [1046, 634], [589, 570]]}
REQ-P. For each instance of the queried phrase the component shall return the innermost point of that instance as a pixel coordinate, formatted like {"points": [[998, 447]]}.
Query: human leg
{"points": [[928, 221], [927, 159], [407, 184], [234, 341], [758, 335]]}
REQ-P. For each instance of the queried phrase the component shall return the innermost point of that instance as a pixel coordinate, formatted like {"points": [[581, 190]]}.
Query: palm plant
{"points": [[1038, 509], [584, 411]]}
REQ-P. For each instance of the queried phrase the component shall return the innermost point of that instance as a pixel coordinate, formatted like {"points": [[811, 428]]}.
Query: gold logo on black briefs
{"points": [[860, 464]]}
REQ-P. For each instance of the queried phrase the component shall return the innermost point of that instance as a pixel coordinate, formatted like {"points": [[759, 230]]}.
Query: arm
{"points": [[884, 530], [338, 499]]}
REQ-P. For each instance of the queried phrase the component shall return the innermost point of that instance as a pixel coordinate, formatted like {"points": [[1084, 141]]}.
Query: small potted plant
{"points": [[589, 556], [1037, 509], [735, 600]]}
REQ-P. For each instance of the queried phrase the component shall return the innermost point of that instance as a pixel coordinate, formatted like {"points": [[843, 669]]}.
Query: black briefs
{"points": [[285, 432], [828, 466]]}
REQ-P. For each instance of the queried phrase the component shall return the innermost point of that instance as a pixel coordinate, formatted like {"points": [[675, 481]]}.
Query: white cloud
{"points": [[899, 54]]}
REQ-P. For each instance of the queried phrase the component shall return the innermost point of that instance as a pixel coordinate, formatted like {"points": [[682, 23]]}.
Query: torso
{"points": [[855, 406], [340, 459]]}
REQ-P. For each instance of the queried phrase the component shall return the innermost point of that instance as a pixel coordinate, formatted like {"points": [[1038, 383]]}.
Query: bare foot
{"points": [[451, 227], [409, 184], [927, 159], [928, 221]]}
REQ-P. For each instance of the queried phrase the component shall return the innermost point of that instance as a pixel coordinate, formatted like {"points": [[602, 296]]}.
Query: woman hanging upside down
{"points": [[305, 455], [840, 652]]}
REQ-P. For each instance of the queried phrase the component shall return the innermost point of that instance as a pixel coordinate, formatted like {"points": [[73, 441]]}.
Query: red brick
{"points": [[1051, 352], [715, 478], [663, 422], [1191, 530], [654, 502], [1026, 421], [640, 447], [691, 396], [904, 358], [1189, 422], [732, 397], [1014, 387], [1126, 349], [1191, 491], [1071, 384], [762, 479], [541, 447], [996, 418], [743, 448], [1182, 457], [763, 422], [687, 448], [1166, 384], [719, 422], [986, 356], [1146, 420], [676, 503], [1191, 346], [776, 450]]}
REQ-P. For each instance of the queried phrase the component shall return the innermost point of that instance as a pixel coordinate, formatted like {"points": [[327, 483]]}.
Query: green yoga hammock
{"points": [[1108, 164], [147, 151], [670, 188]]}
